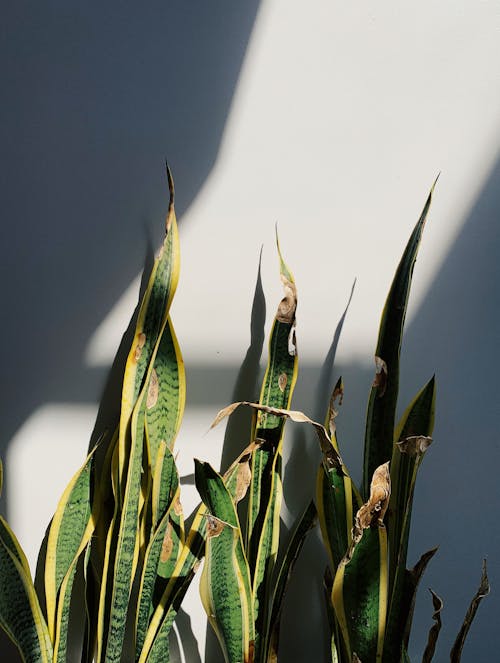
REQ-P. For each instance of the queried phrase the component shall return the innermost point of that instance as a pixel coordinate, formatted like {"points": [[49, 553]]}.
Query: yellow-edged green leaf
{"points": [[236, 480], [412, 438], [336, 495], [417, 422], [150, 323], [166, 395], [160, 559], [20, 613], [70, 530], [225, 584], [384, 392], [127, 542], [359, 592], [276, 392]]}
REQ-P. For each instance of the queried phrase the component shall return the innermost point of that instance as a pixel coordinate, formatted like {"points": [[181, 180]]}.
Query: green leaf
{"points": [[359, 595], [417, 422], [160, 559], [359, 592], [166, 395], [71, 528], [126, 547], [384, 392], [20, 613], [225, 585], [336, 495], [266, 492], [150, 325], [413, 433]]}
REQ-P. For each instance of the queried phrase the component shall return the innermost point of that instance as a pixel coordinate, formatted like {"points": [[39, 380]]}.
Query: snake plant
{"points": [[120, 519], [242, 585], [119, 532]]}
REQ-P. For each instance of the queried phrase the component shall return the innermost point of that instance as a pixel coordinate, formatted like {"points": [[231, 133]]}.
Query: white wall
{"points": [[335, 126]]}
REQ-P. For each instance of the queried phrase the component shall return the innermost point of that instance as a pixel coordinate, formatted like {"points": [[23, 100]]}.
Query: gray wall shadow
{"points": [[96, 96], [456, 334]]}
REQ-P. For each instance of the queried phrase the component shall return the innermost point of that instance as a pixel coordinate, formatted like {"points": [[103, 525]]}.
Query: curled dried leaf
{"points": [[435, 628], [380, 380], [415, 445], [243, 479], [330, 454], [372, 512]]}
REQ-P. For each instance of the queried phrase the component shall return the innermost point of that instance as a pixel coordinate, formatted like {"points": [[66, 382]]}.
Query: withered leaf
{"points": [[435, 628], [296, 416], [372, 512]]}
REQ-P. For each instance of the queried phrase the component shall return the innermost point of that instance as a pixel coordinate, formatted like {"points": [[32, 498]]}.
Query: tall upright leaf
{"points": [[382, 401]]}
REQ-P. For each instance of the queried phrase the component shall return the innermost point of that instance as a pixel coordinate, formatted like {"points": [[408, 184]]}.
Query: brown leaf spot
{"points": [[153, 390], [177, 506], [141, 340], [214, 526], [380, 381], [282, 380], [167, 545]]}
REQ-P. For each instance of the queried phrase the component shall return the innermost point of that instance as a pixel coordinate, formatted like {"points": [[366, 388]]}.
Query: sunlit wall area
{"points": [[328, 120]]}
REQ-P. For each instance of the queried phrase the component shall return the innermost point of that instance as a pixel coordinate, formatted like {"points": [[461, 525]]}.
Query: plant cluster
{"points": [[119, 529]]}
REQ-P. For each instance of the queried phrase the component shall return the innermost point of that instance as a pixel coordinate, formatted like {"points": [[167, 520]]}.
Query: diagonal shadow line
{"points": [[325, 381]]}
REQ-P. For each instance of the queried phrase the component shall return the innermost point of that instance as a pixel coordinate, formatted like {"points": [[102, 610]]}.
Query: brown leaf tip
{"points": [[288, 305]]}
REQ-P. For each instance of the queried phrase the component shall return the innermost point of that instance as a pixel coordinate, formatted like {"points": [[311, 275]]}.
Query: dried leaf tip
{"points": [[288, 305]]}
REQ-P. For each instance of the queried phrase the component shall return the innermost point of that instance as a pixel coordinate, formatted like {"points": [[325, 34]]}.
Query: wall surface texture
{"points": [[331, 119]]}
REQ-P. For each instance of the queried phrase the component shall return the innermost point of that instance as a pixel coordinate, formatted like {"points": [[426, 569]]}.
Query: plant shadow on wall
{"points": [[90, 109], [120, 519], [94, 97]]}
